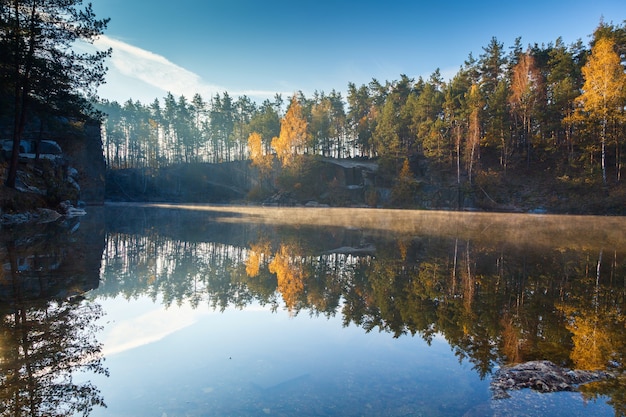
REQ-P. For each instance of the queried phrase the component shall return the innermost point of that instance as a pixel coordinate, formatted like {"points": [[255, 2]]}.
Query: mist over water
{"points": [[481, 290], [236, 310], [527, 229]]}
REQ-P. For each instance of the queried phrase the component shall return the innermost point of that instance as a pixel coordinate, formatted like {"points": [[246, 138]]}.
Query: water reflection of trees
{"points": [[494, 303], [42, 345], [47, 331]]}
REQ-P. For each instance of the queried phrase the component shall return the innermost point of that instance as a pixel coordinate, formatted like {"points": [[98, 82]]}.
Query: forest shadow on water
{"points": [[225, 310]]}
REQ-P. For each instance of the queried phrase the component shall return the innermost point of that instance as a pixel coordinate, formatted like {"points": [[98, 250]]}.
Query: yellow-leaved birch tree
{"points": [[293, 134], [472, 145], [259, 159], [526, 83], [604, 93]]}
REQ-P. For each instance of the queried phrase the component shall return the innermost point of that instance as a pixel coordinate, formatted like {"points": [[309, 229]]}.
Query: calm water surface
{"points": [[237, 311]]}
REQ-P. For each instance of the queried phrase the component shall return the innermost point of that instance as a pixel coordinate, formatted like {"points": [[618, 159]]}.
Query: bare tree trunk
{"points": [[604, 151]]}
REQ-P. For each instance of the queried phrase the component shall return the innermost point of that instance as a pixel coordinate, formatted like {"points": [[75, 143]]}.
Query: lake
{"points": [[161, 310]]}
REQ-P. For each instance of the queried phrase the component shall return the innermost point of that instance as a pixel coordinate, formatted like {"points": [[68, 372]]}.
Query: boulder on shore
{"points": [[542, 376]]}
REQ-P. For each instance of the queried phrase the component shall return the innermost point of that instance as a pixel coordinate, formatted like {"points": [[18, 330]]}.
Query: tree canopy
{"points": [[41, 71], [551, 108], [604, 94]]}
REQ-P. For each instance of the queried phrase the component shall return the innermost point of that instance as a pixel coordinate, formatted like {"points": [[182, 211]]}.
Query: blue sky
{"points": [[260, 48]]}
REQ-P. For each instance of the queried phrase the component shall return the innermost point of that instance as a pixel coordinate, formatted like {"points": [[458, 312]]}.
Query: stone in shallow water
{"points": [[541, 376]]}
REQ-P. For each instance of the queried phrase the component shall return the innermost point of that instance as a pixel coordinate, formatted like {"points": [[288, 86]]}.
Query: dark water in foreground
{"points": [[227, 311]]}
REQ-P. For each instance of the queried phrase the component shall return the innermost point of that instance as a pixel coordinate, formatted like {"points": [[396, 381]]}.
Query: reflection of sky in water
{"points": [[179, 361]]}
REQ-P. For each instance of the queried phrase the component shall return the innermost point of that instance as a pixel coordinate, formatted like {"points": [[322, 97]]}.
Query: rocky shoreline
{"points": [[42, 215], [541, 376]]}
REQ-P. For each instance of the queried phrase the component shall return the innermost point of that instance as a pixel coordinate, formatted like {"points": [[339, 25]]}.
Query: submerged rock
{"points": [[541, 376], [45, 215], [68, 210]]}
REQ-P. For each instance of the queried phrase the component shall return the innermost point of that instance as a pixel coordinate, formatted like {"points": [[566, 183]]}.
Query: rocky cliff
{"points": [[78, 175], [82, 146]]}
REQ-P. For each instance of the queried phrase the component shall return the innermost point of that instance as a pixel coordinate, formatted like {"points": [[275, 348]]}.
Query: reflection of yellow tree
{"points": [[403, 248], [289, 275], [511, 337], [258, 252], [591, 338], [253, 264], [591, 323], [592, 347]]}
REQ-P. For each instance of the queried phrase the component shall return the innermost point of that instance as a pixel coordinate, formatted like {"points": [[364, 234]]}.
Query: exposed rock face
{"points": [[542, 376], [82, 148], [78, 174]]}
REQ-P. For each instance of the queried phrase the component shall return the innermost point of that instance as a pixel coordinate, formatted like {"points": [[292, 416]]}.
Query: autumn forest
{"points": [[511, 112]]}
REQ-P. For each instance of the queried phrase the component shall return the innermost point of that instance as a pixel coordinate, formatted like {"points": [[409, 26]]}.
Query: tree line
{"points": [[557, 102], [550, 103]]}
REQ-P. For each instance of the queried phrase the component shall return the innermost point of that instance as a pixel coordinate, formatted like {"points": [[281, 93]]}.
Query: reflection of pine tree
{"points": [[42, 346], [493, 301]]}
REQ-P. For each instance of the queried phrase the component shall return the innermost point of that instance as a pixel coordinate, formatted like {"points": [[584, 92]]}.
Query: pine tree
{"points": [[360, 119], [39, 61], [563, 86]]}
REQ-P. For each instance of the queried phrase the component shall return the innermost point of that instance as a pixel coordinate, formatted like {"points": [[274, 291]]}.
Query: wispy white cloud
{"points": [[155, 70]]}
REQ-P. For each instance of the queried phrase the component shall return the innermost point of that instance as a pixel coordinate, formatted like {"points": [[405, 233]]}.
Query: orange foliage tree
{"points": [[604, 94], [526, 93], [259, 159], [293, 134]]}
